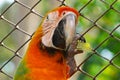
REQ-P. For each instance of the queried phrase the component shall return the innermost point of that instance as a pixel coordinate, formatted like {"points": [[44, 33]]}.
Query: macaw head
{"points": [[59, 27]]}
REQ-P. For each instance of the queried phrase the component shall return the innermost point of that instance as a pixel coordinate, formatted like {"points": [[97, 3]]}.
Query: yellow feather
{"points": [[83, 46]]}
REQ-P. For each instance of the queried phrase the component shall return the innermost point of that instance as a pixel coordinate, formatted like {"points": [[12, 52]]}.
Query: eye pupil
{"points": [[47, 17]]}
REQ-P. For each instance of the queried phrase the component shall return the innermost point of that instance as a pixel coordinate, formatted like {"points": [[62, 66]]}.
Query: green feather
{"points": [[21, 72]]}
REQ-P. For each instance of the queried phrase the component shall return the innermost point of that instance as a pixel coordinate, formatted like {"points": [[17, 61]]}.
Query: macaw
{"points": [[46, 56]]}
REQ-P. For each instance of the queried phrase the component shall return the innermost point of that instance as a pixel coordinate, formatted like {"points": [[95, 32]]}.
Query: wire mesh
{"points": [[16, 27]]}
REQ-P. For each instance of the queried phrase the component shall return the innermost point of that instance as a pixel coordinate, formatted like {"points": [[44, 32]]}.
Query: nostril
{"points": [[64, 13]]}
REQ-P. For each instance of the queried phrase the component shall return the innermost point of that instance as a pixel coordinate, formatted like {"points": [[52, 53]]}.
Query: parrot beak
{"points": [[70, 28], [65, 31]]}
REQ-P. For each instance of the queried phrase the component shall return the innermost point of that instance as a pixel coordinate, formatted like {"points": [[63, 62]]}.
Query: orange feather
{"points": [[43, 66]]}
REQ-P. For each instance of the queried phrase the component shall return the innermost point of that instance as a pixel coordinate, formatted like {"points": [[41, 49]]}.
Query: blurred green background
{"points": [[93, 10]]}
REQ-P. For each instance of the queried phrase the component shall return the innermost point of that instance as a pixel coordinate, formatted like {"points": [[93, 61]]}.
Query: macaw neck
{"points": [[37, 58], [36, 55], [38, 52]]}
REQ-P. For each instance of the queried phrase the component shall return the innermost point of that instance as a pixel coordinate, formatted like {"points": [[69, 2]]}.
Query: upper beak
{"points": [[65, 31], [70, 28]]}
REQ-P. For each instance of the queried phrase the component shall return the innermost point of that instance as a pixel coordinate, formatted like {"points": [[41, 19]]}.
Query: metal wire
{"points": [[94, 25]]}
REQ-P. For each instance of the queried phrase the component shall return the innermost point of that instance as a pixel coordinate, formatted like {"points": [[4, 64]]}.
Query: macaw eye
{"points": [[48, 17]]}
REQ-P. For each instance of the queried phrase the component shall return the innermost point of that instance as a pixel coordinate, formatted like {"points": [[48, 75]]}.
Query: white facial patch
{"points": [[49, 25]]}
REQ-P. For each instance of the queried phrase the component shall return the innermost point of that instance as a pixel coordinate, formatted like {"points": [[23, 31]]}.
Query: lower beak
{"points": [[65, 31]]}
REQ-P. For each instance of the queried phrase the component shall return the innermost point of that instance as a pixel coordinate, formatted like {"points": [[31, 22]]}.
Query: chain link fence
{"points": [[99, 23]]}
